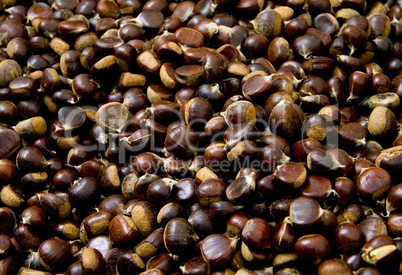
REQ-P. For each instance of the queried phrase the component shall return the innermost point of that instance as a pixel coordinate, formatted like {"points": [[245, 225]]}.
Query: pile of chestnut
{"points": [[200, 137]]}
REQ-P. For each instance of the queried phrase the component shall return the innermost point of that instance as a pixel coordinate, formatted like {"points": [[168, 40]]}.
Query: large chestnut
{"points": [[54, 254], [218, 250], [179, 236], [313, 248]]}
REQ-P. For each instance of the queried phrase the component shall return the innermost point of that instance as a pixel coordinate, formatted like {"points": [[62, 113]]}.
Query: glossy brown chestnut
{"points": [[334, 266], [313, 248], [54, 254], [348, 238], [373, 183], [379, 250], [150, 246], [122, 230], [179, 236], [210, 190], [218, 250], [257, 234]]}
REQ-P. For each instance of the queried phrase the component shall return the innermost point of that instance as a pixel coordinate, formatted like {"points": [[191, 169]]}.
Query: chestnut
{"points": [[92, 261], [101, 243], [384, 249], [54, 254], [84, 191], [122, 230], [11, 70], [54, 205], [202, 222], [240, 132], [239, 112], [388, 159], [394, 223], [242, 188], [291, 174], [381, 128], [10, 142], [345, 188], [334, 266], [26, 236], [179, 236], [197, 111], [158, 191], [195, 265], [35, 216], [292, 112], [268, 23], [129, 262], [169, 211], [322, 161], [348, 238], [162, 261], [257, 233], [318, 188], [181, 142], [151, 245], [115, 123], [372, 226], [236, 223], [218, 250], [144, 216], [254, 256], [313, 248], [184, 190], [146, 163], [393, 201], [10, 221], [278, 50], [300, 217], [223, 208], [354, 36], [283, 236], [95, 224], [373, 183], [210, 190], [109, 179]]}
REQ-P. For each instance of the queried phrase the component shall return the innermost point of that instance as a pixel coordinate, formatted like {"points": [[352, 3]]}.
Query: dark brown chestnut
{"points": [[334, 266], [313, 248], [210, 190], [218, 250], [283, 236], [84, 191], [379, 251], [54, 254], [95, 224], [10, 221], [303, 218], [122, 230], [292, 112], [373, 183], [54, 205], [161, 261], [179, 236], [181, 142], [35, 216], [348, 238], [10, 142], [257, 234]]}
